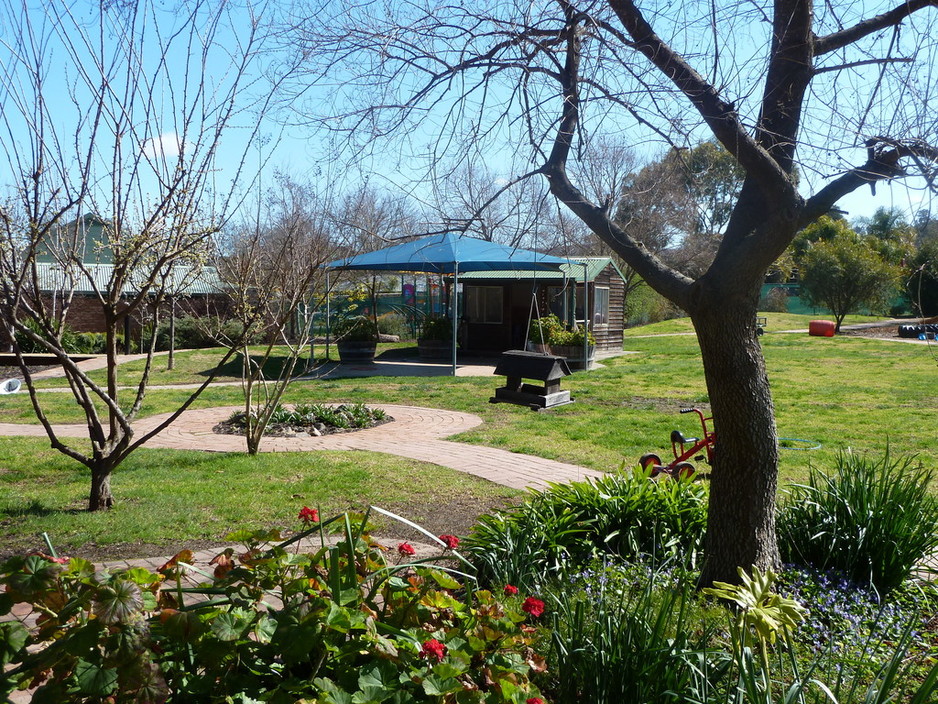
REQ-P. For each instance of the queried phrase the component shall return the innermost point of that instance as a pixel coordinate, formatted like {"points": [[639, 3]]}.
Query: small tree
{"points": [[112, 126], [273, 276], [846, 274]]}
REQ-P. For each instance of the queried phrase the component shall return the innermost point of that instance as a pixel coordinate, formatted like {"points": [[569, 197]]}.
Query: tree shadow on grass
{"points": [[37, 509], [272, 367]]}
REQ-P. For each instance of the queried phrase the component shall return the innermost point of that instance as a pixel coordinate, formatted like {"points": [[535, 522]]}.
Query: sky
{"points": [[302, 150]]}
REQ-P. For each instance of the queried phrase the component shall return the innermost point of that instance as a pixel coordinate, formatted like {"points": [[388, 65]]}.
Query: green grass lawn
{"points": [[166, 497], [840, 392]]}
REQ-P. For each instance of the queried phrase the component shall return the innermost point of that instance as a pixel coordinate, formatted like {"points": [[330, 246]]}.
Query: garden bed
{"points": [[310, 420]]}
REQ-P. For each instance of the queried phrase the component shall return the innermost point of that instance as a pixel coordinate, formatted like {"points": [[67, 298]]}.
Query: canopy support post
{"points": [[328, 314], [455, 308], [586, 318]]}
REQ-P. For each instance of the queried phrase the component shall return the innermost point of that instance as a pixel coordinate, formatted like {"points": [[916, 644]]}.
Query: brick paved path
{"points": [[415, 433]]}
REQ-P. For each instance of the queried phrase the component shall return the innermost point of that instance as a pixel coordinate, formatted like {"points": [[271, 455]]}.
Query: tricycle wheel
{"points": [[649, 460], [683, 470]]}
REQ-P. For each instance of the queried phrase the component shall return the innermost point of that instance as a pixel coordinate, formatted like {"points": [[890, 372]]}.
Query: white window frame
{"points": [[600, 312]]}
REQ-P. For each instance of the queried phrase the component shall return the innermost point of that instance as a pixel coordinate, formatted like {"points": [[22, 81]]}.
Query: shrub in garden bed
{"points": [[312, 418], [341, 624], [873, 520], [623, 514]]}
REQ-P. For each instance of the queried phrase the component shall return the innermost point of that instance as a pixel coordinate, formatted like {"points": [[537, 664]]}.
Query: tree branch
{"points": [[838, 40]]}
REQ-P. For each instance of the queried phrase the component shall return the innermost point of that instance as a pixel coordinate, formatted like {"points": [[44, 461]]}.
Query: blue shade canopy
{"points": [[441, 254]]}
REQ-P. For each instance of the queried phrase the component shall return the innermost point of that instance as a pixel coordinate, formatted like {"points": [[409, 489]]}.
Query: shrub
{"points": [[624, 514], [393, 324], [355, 328], [198, 332], [550, 330], [436, 327], [775, 301], [875, 521], [336, 625], [625, 635]]}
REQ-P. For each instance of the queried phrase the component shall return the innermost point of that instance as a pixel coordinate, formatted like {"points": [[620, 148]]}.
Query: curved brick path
{"points": [[415, 433]]}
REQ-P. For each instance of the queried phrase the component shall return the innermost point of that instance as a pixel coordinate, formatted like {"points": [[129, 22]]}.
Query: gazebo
{"points": [[450, 254]]}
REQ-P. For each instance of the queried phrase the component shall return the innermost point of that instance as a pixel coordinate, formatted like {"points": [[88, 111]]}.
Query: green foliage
{"points": [[845, 274], [71, 342], [625, 514], [393, 323], [436, 327], [625, 635], [550, 330], [921, 289], [873, 520], [355, 328], [337, 625]]}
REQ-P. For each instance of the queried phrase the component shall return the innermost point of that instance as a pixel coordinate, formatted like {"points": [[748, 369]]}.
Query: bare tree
{"points": [[275, 278], [475, 199], [827, 97], [114, 114]]}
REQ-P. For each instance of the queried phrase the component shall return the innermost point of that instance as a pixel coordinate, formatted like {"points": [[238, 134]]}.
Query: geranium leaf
{"points": [[13, 636], [94, 680]]}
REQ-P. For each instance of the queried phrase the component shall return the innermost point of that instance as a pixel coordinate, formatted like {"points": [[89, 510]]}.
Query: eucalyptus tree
{"points": [[124, 133], [813, 101]]}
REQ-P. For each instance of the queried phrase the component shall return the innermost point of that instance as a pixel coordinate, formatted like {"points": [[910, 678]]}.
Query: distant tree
{"points": [[846, 274], [926, 227], [921, 288], [889, 233], [681, 203]]}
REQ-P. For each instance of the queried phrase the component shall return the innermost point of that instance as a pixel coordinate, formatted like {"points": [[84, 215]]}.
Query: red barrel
{"points": [[821, 328]]}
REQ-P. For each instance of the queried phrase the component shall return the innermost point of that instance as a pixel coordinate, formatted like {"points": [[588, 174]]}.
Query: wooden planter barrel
{"points": [[356, 351], [574, 355], [435, 350]]}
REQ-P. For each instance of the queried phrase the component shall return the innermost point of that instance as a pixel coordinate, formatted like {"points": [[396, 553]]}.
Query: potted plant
{"points": [[435, 342], [549, 335], [356, 338]]}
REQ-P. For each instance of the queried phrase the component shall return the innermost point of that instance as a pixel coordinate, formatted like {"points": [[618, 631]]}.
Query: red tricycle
{"points": [[683, 448]]}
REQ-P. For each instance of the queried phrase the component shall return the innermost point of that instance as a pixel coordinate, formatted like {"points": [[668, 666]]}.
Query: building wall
{"points": [[609, 336]]}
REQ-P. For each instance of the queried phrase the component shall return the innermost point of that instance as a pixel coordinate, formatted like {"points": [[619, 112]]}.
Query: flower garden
{"points": [[582, 592]]}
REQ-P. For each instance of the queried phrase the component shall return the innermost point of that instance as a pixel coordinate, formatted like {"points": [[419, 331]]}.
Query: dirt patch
{"points": [[454, 517]]}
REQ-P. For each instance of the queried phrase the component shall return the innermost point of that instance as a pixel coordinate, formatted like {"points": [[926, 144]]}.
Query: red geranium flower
{"points": [[450, 541], [534, 700], [533, 606], [406, 549], [511, 589], [433, 649], [309, 515]]}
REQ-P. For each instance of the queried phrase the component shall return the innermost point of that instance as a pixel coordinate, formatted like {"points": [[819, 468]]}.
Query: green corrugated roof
{"points": [[183, 280], [573, 270]]}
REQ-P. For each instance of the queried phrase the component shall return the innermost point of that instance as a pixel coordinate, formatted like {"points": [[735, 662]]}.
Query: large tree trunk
{"points": [[741, 520], [100, 497]]}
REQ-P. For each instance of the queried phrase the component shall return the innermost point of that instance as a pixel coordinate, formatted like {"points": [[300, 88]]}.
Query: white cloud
{"points": [[166, 146]]}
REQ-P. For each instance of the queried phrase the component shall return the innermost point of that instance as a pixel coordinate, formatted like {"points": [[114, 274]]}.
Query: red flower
{"points": [[511, 590], [533, 606], [433, 649], [406, 549], [309, 515], [534, 700], [450, 541]]}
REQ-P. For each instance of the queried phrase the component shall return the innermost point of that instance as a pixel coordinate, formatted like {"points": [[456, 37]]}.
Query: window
{"points": [[484, 304], [600, 306]]}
